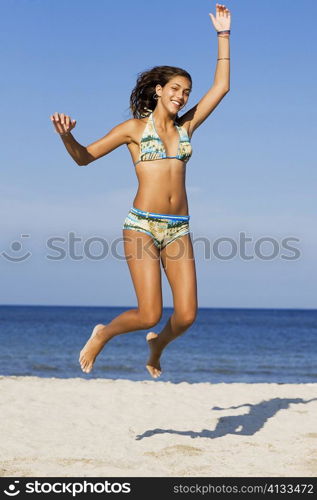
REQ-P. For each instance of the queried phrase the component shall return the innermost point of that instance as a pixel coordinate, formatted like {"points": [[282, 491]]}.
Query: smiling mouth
{"points": [[176, 104]]}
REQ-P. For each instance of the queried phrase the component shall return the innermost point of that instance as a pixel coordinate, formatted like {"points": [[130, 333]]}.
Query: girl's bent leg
{"points": [[179, 266], [144, 265]]}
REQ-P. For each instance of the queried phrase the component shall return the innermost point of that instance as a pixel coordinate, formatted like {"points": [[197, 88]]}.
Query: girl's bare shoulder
{"points": [[135, 127]]}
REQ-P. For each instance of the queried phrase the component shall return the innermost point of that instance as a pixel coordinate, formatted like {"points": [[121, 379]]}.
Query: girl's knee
{"points": [[187, 318], [149, 319]]}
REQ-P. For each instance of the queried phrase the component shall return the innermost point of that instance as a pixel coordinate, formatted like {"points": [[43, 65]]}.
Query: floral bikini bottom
{"points": [[163, 228]]}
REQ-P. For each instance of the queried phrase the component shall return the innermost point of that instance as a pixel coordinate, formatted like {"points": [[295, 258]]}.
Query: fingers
{"points": [[221, 10], [62, 123]]}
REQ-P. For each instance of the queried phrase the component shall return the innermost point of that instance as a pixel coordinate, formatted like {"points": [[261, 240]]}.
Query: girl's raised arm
{"points": [[221, 85]]}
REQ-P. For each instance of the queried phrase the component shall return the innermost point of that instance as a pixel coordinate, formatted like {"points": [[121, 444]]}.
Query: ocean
{"points": [[223, 345]]}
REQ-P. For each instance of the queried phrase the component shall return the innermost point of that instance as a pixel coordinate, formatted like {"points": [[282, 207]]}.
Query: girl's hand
{"points": [[62, 123], [222, 19]]}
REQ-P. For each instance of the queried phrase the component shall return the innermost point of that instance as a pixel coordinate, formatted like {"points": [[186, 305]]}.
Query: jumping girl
{"points": [[157, 225]]}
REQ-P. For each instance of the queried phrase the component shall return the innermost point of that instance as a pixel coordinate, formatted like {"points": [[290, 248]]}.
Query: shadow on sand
{"points": [[246, 424]]}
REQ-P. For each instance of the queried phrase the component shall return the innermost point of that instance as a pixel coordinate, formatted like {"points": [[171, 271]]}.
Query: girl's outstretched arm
{"points": [[83, 155]]}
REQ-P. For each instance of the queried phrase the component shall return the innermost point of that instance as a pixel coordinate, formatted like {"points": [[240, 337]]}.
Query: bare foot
{"points": [[153, 365], [93, 347]]}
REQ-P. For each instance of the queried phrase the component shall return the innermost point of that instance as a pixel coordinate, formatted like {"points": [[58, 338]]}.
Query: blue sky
{"points": [[253, 168]]}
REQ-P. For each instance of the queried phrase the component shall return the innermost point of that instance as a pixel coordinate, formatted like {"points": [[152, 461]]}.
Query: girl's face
{"points": [[175, 94]]}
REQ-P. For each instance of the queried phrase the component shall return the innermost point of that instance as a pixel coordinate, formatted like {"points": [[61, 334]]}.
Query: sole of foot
{"points": [[87, 365], [153, 371]]}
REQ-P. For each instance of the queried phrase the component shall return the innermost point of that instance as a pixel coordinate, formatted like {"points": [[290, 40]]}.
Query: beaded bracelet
{"points": [[223, 31]]}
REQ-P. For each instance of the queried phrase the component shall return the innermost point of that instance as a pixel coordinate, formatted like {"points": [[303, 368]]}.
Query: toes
{"points": [[150, 370], [154, 372], [86, 366], [83, 364]]}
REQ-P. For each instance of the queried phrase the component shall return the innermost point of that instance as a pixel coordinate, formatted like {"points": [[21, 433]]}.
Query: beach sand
{"points": [[107, 428]]}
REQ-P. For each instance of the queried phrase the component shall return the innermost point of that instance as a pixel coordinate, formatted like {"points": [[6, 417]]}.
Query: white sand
{"points": [[79, 427]]}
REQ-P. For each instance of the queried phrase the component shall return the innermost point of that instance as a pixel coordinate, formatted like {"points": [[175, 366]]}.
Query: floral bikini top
{"points": [[152, 147]]}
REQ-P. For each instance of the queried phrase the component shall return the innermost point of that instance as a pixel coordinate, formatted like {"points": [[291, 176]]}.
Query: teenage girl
{"points": [[156, 228]]}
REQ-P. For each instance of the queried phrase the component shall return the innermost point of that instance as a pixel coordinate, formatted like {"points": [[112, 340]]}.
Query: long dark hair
{"points": [[141, 99]]}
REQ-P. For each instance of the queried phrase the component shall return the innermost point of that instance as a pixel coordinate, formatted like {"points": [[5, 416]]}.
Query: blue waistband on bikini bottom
{"points": [[156, 215]]}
